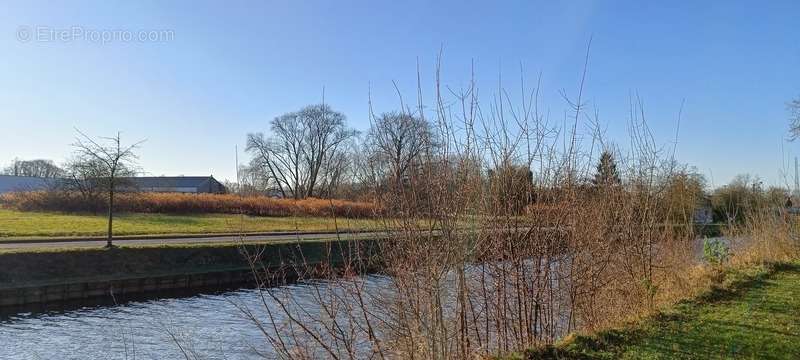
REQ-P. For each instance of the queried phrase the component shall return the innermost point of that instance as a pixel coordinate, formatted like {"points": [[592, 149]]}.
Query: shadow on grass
{"points": [[600, 346]]}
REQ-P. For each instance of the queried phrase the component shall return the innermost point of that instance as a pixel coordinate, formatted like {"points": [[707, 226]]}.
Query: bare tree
{"points": [[280, 156], [327, 135], [398, 140], [252, 180], [107, 159], [81, 179], [303, 147], [36, 168], [335, 174]]}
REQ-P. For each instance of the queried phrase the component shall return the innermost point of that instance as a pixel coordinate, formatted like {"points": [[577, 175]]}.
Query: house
{"points": [[176, 184], [10, 183]]}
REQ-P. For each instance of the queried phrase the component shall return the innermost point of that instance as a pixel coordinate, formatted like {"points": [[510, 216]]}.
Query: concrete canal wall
{"points": [[119, 288], [44, 277]]}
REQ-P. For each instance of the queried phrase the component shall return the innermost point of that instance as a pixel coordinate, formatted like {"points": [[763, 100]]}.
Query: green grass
{"points": [[17, 224], [756, 317]]}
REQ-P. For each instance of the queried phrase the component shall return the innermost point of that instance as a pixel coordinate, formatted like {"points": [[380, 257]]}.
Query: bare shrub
{"points": [[518, 246]]}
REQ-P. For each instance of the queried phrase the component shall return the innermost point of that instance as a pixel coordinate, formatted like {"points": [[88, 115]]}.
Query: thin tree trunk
{"points": [[110, 213]]}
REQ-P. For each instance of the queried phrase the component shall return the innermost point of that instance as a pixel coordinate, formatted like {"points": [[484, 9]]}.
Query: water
{"points": [[203, 326], [214, 326]]}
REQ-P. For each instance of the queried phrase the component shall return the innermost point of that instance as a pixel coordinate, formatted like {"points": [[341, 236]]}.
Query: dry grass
{"points": [[173, 203], [766, 236]]}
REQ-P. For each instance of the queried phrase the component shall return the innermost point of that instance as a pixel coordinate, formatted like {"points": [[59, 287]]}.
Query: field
{"points": [[51, 224], [758, 318]]}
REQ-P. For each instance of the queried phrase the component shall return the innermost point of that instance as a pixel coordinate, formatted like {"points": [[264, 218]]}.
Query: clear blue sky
{"points": [[234, 65]]}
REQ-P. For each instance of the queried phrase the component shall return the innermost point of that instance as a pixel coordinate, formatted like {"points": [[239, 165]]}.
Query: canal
{"points": [[203, 326]]}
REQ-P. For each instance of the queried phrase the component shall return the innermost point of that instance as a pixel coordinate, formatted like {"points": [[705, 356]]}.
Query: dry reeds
{"points": [[176, 203], [767, 235]]}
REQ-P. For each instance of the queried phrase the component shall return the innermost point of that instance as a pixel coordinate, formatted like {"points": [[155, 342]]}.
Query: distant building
{"points": [[10, 183], [176, 184], [173, 184], [703, 213]]}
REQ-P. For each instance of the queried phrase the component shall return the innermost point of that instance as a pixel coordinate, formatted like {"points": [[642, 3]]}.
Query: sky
{"points": [[215, 71]]}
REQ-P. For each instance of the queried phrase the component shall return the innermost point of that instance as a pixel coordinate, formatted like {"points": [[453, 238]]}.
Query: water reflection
{"points": [[202, 326], [214, 326]]}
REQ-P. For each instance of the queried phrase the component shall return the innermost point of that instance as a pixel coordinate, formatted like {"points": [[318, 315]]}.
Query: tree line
{"points": [[313, 153]]}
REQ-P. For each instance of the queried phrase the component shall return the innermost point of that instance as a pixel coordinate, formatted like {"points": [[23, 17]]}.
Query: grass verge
{"points": [[18, 224], [754, 314]]}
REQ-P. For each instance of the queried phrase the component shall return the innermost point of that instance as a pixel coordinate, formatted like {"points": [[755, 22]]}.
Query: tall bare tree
{"points": [[397, 140], [108, 159], [280, 155], [303, 147], [327, 135]]}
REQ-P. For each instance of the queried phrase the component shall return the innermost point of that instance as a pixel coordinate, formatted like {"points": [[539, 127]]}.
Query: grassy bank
{"points": [[755, 314], [49, 224]]}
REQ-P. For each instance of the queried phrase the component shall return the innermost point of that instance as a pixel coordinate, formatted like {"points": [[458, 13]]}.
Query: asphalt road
{"points": [[260, 238]]}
